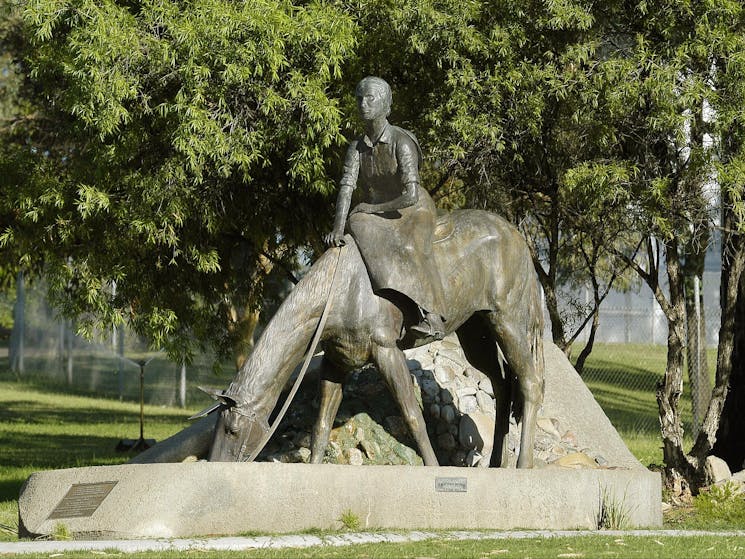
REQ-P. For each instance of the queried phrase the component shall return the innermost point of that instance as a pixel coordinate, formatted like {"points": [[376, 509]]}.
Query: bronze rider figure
{"points": [[393, 223]]}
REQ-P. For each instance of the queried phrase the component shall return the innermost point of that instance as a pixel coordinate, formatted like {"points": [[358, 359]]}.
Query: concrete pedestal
{"points": [[202, 498]]}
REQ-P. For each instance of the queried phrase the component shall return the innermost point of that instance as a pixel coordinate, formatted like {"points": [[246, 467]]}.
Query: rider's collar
{"points": [[384, 138]]}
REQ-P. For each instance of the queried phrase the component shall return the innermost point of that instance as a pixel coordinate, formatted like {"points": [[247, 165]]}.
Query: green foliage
{"points": [[182, 149], [350, 521], [172, 145], [721, 505], [613, 512]]}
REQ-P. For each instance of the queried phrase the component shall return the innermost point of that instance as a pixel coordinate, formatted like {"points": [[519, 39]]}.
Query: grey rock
{"points": [[569, 438], [576, 460], [468, 404], [447, 414], [473, 458], [301, 454], [429, 387], [371, 449], [485, 402], [446, 396], [468, 390], [459, 458], [549, 426], [716, 470], [739, 476], [486, 385], [444, 372], [354, 456]]}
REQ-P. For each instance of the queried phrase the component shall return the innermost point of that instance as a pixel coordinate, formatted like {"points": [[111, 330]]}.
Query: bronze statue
{"points": [[394, 221], [400, 265], [493, 301]]}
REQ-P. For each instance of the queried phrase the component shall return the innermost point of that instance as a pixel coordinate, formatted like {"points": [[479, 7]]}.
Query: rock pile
{"points": [[458, 406]]}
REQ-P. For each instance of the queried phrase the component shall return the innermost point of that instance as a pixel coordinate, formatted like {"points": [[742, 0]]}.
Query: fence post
{"points": [[182, 385], [17, 364], [120, 362]]}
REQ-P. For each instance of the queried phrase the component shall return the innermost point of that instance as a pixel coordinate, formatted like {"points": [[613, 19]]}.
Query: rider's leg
{"points": [[420, 232]]}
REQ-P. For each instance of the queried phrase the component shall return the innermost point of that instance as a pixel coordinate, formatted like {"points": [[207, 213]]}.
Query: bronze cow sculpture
{"points": [[493, 303]]}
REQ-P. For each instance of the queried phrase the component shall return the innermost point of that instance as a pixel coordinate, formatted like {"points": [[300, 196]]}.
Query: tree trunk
{"points": [[585, 353], [698, 369], [730, 438], [722, 431], [678, 470]]}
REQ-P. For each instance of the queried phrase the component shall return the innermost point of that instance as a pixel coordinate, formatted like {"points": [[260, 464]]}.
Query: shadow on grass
{"points": [[627, 394], [29, 412], [52, 451]]}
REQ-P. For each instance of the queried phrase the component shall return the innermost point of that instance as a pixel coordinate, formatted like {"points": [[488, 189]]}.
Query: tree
{"points": [[679, 59], [176, 149]]}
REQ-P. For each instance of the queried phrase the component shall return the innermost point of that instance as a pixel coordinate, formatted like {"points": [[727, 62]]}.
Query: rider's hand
{"points": [[363, 208], [334, 239]]}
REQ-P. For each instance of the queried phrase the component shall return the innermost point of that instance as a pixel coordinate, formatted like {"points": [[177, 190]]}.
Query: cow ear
{"points": [[206, 411]]}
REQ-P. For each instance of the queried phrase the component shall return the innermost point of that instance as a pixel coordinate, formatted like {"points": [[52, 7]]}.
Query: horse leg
{"points": [[391, 363], [331, 395], [523, 350], [479, 345]]}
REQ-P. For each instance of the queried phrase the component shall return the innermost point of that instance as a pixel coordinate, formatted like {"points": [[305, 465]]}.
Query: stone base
{"points": [[202, 499]]}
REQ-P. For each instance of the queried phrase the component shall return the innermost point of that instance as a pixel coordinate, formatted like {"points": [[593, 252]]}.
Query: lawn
{"points": [[43, 425], [623, 379]]}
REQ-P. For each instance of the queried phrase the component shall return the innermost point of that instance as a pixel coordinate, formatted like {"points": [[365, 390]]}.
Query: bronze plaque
{"points": [[82, 499], [451, 484]]}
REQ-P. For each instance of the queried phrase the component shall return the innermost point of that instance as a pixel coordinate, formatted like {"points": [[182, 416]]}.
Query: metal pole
{"points": [[182, 385], [142, 400], [70, 336], [120, 363]]}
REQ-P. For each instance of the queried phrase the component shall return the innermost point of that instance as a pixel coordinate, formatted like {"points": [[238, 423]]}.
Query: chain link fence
{"points": [[110, 365], [630, 352], [627, 362]]}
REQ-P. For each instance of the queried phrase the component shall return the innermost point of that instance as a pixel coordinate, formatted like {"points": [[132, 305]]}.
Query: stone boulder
{"points": [[458, 405]]}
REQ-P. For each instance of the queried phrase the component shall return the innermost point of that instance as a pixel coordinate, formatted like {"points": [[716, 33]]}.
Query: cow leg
{"points": [[519, 346], [391, 363], [330, 399]]}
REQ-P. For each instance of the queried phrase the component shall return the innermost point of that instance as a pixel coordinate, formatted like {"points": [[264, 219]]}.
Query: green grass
{"points": [[44, 424], [704, 547], [42, 428], [623, 379]]}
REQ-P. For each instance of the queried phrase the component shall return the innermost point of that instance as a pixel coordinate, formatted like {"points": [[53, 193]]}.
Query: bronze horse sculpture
{"points": [[494, 304]]}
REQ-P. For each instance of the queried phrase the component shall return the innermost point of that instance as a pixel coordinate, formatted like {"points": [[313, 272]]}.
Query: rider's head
{"points": [[374, 98]]}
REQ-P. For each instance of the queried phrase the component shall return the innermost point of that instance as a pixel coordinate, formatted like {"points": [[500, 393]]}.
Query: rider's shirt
{"points": [[396, 245], [382, 168]]}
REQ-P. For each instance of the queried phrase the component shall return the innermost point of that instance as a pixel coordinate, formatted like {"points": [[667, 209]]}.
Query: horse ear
{"points": [[213, 392], [220, 396]]}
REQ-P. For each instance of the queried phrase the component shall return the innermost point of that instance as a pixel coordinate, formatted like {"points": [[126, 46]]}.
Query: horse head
{"points": [[239, 431]]}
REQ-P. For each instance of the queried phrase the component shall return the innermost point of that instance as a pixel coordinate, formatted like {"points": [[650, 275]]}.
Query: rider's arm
{"points": [[347, 185]]}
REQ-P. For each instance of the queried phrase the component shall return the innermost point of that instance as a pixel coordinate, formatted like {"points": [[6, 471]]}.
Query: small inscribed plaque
{"points": [[82, 499], [451, 484]]}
